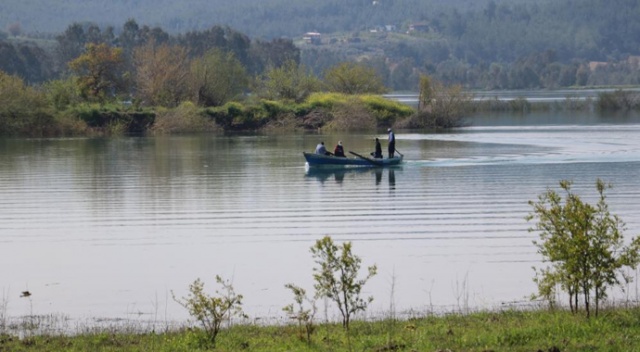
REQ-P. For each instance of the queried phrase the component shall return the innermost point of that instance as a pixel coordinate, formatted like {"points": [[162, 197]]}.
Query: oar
{"points": [[374, 162], [397, 151]]}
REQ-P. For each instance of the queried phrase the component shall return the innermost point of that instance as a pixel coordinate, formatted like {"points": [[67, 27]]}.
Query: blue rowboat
{"points": [[318, 160]]}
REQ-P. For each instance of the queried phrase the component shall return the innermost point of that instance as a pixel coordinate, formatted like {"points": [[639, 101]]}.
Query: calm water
{"points": [[110, 227]]}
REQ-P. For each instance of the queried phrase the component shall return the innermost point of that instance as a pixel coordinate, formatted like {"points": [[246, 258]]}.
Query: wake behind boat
{"points": [[319, 160]]}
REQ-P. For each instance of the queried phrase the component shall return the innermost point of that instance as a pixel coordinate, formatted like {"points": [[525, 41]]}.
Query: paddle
{"points": [[374, 162], [397, 151]]}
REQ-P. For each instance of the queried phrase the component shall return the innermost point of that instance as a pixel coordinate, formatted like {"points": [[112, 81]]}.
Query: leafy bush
{"points": [[618, 100], [23, 110], [337, 277], [212, 311], [62, 93], [352, 116], [303, 315], [112, 118], [386, 111], [583, 245], [326, 100], [185, 118]]}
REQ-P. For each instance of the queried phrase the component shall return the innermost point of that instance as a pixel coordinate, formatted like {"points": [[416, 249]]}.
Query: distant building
{"points": [[593, 65], [312, 38], [383, 28], [634, 61], [419, 27]]}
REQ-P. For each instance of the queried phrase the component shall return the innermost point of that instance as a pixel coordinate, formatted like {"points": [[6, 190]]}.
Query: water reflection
{"points": [[156, 208], [357, 175], [337, 174], [392, 179]]}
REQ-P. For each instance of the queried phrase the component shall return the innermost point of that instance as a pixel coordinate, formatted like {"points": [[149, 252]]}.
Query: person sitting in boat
{"points": [[339, 151], [321, 150], [378, 153]]}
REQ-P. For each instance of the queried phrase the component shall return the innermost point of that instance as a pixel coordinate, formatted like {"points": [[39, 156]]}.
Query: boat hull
{"points": [[328, 161]]}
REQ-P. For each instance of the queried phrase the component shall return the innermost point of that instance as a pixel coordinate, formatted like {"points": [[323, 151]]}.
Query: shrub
{"points": [[212, 311], [304, 316], [62, 93], [186, 118], [583, 244], [112, 118], [337, 277], [618, 100], [326, 100], [351, 116], [23, 110], [386, 111]]}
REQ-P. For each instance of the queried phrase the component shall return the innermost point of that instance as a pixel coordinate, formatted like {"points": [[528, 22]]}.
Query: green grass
{"points": [[540, 330]]}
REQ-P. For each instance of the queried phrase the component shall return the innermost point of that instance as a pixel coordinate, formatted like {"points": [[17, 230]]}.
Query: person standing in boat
{"points": [[392, 143], [378, 153], [321, 150], [339, 151]]}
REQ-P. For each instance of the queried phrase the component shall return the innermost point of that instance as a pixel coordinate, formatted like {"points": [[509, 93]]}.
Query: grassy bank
{"points": [[29, 115], [541, 330]]}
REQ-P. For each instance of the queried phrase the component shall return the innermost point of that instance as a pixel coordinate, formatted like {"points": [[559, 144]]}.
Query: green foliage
{"points": [[217, 77], [212, 311], [482, 44], [186, 118], [385, 110], [23, 110], [354, 78], [162, 74], [290, 81], [112, 118], [440, 105], [62, 93], [618, 100], [336, 277], [273, 108], [98, 70], [303, 315], [507, 330], [224, 115], [359, 111], [583, 244], [426, 93], [326, 100]]}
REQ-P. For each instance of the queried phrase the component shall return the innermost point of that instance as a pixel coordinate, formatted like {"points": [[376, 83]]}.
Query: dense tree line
{"points": [[199, 81], [36, 64], [488, 44]]}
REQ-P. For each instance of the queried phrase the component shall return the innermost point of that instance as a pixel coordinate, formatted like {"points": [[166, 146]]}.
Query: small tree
{"points": [[584, 245], [162, 74], [217, 77], [336, 277], [440, 105], [23, 109], [290, 81], [99, 71], [212, 311], [354, 78], [304, 316]]}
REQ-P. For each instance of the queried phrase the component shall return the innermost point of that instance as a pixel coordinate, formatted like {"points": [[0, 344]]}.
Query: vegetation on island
{"points": [[582, 243]]}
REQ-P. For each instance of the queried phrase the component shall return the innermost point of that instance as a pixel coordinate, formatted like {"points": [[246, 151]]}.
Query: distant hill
{"points": [[257, 18], [492, 44]]}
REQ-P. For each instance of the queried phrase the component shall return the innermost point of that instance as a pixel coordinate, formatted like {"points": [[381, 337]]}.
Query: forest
{"points": [[482, 45]]}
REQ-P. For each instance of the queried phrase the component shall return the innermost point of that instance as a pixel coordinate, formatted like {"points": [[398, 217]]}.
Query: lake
{"points": [[109, 228]]}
